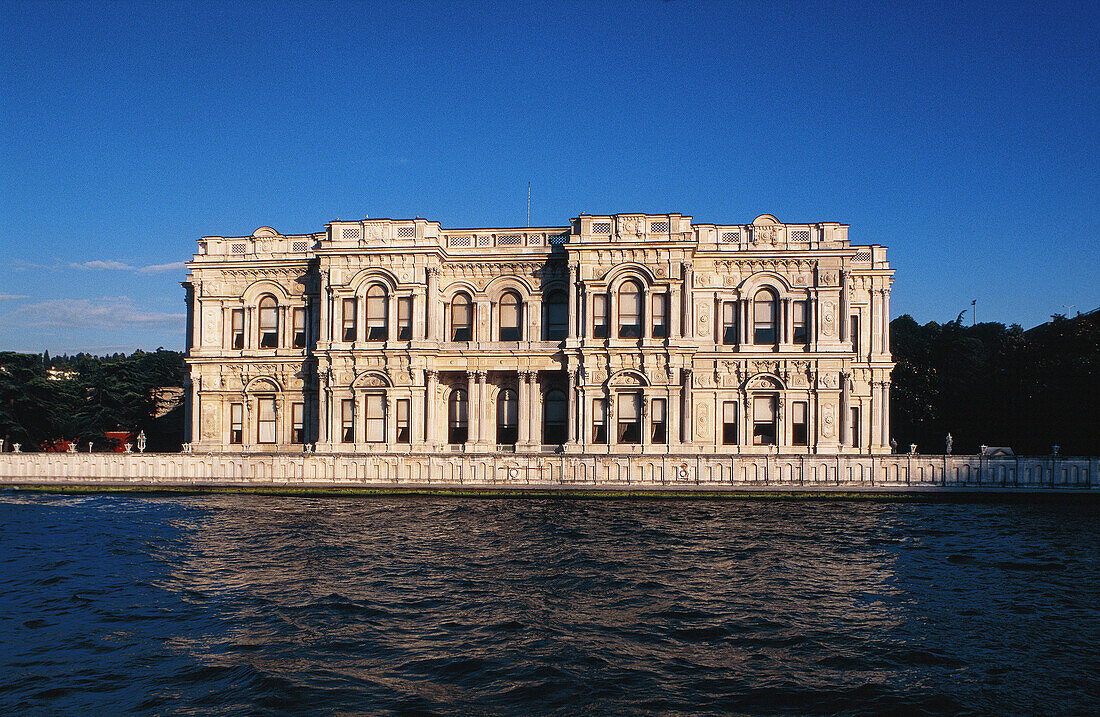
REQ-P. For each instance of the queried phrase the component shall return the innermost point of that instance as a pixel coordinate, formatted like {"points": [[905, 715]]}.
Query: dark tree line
{"points": [[87, 396], [995, 385], [986, 384]]}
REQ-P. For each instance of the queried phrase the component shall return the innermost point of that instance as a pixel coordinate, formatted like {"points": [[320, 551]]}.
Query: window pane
{"points": [[403, 421], [557, 313], [404, 318], [799, 315], [729, 423], [269, 323], [764, 318], [599, 316], [376, 314], [599, 427], [628, 406], [729, 322], [461, 319], [350, 333], [630, 311], [375, 425], [660, 315], [509, 318]]}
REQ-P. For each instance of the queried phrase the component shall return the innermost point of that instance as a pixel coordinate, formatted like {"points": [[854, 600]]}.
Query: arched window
{"points": [[462, 318], [764, 317], [457, 417], [507, 417], [630, 311], [511, 317], [553, 418], [269, 323], [556, 325], [376, 314]]}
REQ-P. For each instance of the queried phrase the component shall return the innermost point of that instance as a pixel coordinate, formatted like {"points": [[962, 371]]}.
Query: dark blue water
{"points": [[246, 605]]}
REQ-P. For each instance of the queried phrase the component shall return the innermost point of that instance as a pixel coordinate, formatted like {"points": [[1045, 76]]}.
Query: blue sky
{"points": [[963, 136]]}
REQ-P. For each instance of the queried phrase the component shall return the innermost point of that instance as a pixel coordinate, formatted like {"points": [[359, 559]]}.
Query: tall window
{"points": [[660, 421], [729, 323], [854, 328], [800, 423], [299, 327], [457, 425], [557, 317], [855, 427], [764, 317], [510, 317], [238, 328], [269, 323], [350, 332], [403, 435], [763, 421], [800, 318], [729, 423], [376, 314], [404, 318], [630, 409], [297, 423], [462, 318], [630, 311], [375, 426], [507, 417], [347, 421], [266, 420], [599, 316], [660, 316], [554, 418], [236, 423], [599, 421]]}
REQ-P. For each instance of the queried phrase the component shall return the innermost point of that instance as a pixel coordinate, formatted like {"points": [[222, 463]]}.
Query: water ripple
{"points": [[245, 605]]}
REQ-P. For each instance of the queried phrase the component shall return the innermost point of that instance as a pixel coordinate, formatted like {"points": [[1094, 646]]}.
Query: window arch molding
{"points": [[365, 278], [630, 270], [769, 280], [259, 289], [501, 285], [371, 379]]}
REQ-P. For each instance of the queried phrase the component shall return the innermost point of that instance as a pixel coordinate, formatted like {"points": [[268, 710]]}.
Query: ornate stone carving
{"points": [[828, 420]]}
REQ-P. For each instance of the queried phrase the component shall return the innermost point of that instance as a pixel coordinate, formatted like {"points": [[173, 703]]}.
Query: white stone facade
{"points": [[631, 334]]}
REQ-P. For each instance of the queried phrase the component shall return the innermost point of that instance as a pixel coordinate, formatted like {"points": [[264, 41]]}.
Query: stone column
{"points": [[389, 420], [609, 409], [524, 436], [430, 379], [885, 309], [432, 308], [685, 418], [533, 408], [845, 414], [785, 336], [483, 432], [884, 426], [572, 411], [573, 317], [471, 409], [876, 415], [745, 311], [688, 306], [845, 329], [249, 340], [583, 420]]}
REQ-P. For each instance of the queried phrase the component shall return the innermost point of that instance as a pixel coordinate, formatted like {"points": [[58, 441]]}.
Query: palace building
{"points": [[624, 334]]}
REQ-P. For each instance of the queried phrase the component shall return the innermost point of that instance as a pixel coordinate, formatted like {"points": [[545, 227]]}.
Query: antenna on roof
{"points": [[528, 205]]}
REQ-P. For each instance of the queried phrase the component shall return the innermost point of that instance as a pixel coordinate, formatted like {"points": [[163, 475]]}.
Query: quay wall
{"points": [[549, 471]]}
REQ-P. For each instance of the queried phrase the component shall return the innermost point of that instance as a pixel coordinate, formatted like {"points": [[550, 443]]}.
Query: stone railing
{"points": [[563, 471]]}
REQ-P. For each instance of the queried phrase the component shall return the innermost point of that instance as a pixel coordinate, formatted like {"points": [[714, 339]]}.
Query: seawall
{"points": [[551, 473]]}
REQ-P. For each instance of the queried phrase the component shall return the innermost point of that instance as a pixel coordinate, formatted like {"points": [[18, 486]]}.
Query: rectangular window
{"points": [[403, 421], [660, 316], [729, 323], [599, 422], [376, 315], [375, 406], [660, 421], [236, 423], [238, 328], [855, 427], [347, 421], [800, 424], [599, 317], [350, 333], [462, 321], [297, 423], [404, 318], [557, 318], [269, 324], [265, 424], [763, 421], [800, 318], [299, 327], [764, 320], [630, 405], [854, 328], [729, 423]]}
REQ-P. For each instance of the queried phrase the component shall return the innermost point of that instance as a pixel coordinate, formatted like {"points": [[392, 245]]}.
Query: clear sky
{"points": [[963, 136]]}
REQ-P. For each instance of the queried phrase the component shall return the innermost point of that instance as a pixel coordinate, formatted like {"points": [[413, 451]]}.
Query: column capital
{"points": [[433, 271], [481, 375], [686, 266], [431, 374]]}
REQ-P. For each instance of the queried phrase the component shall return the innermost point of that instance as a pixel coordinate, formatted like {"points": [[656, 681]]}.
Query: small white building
{"points": [[623, 334]]}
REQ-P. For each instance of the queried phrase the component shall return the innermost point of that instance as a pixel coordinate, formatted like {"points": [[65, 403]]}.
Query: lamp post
{"points": [[141, 442]]}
